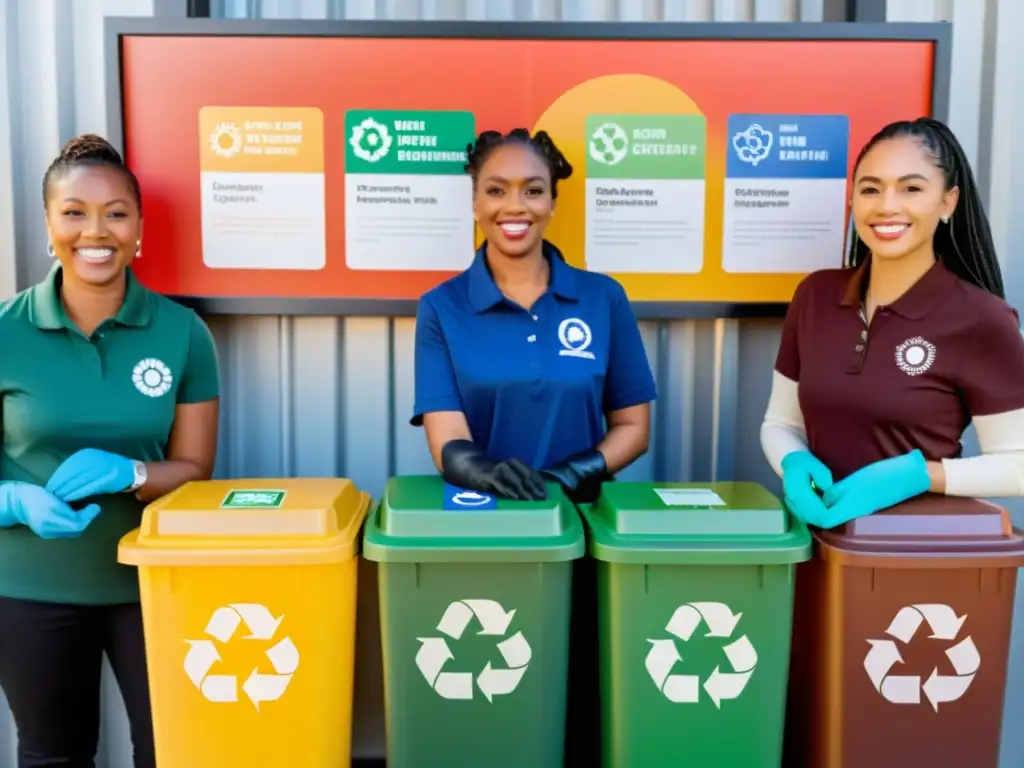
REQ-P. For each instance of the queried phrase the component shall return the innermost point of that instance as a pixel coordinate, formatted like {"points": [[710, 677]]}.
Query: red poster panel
{"points": [[296, 168]]}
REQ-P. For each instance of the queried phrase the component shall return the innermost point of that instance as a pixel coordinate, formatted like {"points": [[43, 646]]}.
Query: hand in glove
{"points": [[581, 475], [464, 464], [90, 472], [45, 514], [802, 472], [877, 486]]}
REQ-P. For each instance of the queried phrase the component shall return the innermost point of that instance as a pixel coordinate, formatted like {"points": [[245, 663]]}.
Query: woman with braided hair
{"points": [[883, 364], [108, 400], [528, 368]]}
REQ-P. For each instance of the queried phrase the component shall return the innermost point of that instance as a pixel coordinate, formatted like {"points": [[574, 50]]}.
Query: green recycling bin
{"points": [[475, 597], [695, 591]]}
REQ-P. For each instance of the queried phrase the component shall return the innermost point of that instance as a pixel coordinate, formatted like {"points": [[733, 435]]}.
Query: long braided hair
{"points": [[965, 244]]}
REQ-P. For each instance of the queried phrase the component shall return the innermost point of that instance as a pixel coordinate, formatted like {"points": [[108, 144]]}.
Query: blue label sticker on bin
{"points": [[462, 498]]}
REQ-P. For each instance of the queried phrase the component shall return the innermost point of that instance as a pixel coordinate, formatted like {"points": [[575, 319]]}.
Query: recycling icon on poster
{"points": [[202, 656], [721, 685], [434, 653], [884, 655]]}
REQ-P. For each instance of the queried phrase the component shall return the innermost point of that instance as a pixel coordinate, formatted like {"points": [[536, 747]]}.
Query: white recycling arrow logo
{"points": [[434, 652], [259, 687], [720, 686], [884, 655]]}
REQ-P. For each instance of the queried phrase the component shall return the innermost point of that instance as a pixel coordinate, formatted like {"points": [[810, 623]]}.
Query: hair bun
{"points": [[89, 146], [561, 168]]}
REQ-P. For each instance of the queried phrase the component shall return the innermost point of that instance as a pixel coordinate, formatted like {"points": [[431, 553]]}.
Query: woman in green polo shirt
{"points": [[108, 400]]}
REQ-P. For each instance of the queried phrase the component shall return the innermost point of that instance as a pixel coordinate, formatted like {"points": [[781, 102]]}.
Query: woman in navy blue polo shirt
{"points": [[883, 365], [522, 359]]}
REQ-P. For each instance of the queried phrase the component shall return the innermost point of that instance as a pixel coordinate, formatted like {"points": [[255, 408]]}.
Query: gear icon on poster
{"points": [[370, 140], [226, 140]]}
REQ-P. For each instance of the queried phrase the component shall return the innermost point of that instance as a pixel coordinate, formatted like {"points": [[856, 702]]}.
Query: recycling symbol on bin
{"points": [[203, 655], [720, 685], [434, 652], [884, 655]]}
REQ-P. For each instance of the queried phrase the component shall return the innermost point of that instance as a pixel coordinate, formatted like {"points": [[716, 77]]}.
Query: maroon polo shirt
{"points": [[944, 352]]}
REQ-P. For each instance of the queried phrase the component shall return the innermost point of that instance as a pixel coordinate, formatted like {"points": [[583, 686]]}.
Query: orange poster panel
{"points": [[331, 167]]}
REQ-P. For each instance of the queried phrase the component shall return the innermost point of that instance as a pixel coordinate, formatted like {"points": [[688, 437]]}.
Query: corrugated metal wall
{"points": [[326, 396]]}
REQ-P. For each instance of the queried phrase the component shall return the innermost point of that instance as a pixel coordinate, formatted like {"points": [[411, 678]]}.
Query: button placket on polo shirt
{"points": [[87, 349], [860, 348], [532, 338], [541, 309], [867, 332]]}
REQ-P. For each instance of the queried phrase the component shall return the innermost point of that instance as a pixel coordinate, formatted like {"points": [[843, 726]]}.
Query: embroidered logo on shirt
{"points": [[915, 356], [574, 336], [152, 378]]}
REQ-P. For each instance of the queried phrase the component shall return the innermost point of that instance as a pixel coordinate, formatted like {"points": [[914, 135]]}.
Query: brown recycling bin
{"points": [[901, 639]]}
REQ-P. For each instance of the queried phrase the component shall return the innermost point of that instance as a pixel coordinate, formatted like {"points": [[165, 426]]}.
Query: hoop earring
{"points": [[138, 249], [50, 252]]}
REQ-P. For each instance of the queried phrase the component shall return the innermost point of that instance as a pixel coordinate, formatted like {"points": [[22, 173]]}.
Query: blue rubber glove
{"points": [[49, 517], [90, 472], [877, 486], [801, 473]]}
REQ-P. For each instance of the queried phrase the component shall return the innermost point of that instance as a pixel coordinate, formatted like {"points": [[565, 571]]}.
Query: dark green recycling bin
{"points": [[695, 602], [475, 597]]}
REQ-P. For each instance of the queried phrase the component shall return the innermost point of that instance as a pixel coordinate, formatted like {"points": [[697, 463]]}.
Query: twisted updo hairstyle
{"points": [[89, 149], [478, 151]]}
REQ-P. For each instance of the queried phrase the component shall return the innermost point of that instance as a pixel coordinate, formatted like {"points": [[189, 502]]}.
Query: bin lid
{"points": [[932, 528], [250, 522], [726, 523], [421, 518]]}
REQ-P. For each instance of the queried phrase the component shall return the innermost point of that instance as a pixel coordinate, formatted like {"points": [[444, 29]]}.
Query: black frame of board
{"points": [[117, 28]]}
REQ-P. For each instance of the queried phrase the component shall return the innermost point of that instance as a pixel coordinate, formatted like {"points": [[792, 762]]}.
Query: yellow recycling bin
{"points": [[248, 592]]}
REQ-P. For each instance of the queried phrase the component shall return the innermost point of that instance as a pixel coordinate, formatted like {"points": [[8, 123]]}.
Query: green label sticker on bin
{"points": [[689, 497], [253, 499]]}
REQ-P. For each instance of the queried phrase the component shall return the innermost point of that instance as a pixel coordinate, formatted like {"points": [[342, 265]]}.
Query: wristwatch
{"points": [[139, 477]]}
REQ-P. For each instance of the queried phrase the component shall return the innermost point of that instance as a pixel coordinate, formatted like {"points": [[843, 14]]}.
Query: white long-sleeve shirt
{"points": [[944, 355], [998, 471]]}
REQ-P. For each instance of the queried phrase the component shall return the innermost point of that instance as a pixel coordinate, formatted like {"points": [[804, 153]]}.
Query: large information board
{"points": [[298, 167]]}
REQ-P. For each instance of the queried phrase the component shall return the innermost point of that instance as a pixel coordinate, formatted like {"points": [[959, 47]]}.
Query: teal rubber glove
{"points": [[877, 486], [802, 472], [91, 472], [49, 517]]}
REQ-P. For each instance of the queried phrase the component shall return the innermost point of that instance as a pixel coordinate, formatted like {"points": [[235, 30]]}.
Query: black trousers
{"points": [[51, 661]]}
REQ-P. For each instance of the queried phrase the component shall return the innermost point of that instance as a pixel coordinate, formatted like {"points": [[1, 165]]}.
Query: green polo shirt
{"points": [[117, 390]]}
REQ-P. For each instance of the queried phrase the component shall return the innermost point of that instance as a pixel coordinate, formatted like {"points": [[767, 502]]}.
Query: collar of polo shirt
{"points": [[47, 312], [926, 294], [484, 293]]}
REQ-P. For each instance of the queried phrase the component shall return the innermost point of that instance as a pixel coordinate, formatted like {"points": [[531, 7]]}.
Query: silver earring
{"points": [[50, 252], [945, 219]]}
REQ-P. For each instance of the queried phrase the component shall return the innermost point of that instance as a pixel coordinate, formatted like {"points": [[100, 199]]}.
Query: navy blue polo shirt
{"points": [[535, 383]]}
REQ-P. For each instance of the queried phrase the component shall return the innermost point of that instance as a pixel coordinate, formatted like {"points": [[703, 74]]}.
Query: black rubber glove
{"points": [[581, 475], [465, 465]]}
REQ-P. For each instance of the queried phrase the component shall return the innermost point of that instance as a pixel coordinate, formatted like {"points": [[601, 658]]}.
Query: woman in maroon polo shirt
{"points": [[883, 364]]}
